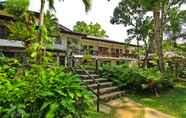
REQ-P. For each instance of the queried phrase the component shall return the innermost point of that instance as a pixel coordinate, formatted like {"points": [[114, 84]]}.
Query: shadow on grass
{"points": [[171, 101]]}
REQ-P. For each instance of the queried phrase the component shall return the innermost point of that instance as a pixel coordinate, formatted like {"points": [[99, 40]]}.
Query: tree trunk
{"points": [[40, 40], [41, 14], [157, 38], [138, 52], [174, 44], [145, 63], [146, 59]]}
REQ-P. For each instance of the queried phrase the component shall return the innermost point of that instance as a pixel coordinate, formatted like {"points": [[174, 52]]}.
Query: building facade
{"points": [[98, 48], [77, 44]]}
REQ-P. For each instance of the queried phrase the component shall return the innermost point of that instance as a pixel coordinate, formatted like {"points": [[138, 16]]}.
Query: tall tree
{"points": [[140, 25], [87, 4], [142, 32], [24, 26], [176, 19], [127, 10], [90, 29], [160, 10]]}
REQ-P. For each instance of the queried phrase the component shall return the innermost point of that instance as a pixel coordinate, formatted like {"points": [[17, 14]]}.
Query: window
{"points": [[102, 51], [127, 51], [113, 52], [58, 41], [62, 60], [117, 52], [85, 49], [120, 52], [8, 53], [88, 50], [91, 50], [2, 32]]}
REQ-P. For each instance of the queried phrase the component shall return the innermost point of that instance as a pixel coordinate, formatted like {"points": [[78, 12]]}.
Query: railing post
{"points": [[73, 61], [97, 66], [98, 85], [98, 94]]}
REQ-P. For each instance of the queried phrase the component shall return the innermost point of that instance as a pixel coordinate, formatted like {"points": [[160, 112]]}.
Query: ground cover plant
{"points": [[41, 91]]}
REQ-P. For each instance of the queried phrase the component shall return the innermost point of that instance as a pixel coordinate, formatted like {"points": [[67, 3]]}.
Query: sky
{"points": [[69, 12]]}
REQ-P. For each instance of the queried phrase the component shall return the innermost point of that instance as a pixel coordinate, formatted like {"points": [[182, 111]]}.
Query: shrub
{"points": [[181, 72], [8, 67], [137, 79], [43, 91]]}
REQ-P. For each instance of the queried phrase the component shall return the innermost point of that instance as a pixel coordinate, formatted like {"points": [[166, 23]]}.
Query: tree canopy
{"points": [[163, 18], [90, 29]]}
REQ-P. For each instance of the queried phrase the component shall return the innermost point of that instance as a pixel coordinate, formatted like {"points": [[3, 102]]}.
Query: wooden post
{"points": [[97, 66], [73, 61], [58, 59], [98, 95], [98, 85]]}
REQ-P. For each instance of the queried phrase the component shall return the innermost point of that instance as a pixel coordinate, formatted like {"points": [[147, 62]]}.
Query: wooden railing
{"points": [[109, 54], [97, 93]]}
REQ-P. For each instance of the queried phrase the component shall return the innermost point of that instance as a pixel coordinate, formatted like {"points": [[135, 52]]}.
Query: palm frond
{"points": [[51, 4], [88, 4], [51, 23], [20, 31]]}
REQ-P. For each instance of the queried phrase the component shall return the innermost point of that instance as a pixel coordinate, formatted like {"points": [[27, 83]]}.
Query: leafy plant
{"points": [[8, 67], [87, 58], [42, 91], [17, 7], [138, 79]]}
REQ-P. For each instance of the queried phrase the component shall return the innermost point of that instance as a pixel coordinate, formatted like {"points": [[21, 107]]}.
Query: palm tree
{"points": [[157, 34], [157, 7], [87, 4]]}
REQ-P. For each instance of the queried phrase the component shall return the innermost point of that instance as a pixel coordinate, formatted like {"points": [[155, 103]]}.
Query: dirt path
{"points": [[125, 108]]}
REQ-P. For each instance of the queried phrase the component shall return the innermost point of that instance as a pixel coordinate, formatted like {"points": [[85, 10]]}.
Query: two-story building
{"points": [[80, 44], [98, 48]]}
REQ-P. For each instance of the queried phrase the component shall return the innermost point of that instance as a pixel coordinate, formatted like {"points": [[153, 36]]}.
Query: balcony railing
{"points": [[108, 54]]}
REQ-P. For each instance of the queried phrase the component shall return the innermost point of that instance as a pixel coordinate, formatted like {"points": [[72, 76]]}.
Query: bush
{"points": [[40, 91], [181, 72], [137, 79], [8, 67]]}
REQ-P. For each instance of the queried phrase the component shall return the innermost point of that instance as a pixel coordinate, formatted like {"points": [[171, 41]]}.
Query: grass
{"points": [[172, 101]]}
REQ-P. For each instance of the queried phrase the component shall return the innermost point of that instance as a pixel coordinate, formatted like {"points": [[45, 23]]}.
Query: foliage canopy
{"points": [[90, 29]]}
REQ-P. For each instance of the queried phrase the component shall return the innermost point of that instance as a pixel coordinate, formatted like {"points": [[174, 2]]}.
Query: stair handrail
{"points": [[97, 93], [82, 81]]}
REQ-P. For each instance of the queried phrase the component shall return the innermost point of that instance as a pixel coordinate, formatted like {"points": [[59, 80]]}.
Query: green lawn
{"points": [[172, 102]]}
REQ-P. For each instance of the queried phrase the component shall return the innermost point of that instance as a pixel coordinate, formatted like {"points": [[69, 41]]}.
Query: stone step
{"points": [[111, 95], [107, 89], [90, 81], [83, 72], [84, 76], [102, 85]]}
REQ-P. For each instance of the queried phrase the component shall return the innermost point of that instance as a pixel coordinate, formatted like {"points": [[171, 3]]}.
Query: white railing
{"points": [[19, 44], [11, 43]]}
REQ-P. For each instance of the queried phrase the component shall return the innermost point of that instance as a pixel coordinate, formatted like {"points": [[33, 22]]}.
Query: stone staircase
{"points": [[107, 90]]}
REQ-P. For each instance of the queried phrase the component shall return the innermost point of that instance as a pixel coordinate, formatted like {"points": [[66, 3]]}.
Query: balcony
{"points": [[20, 44], [107, 55], [11, 43], [59, 47]]}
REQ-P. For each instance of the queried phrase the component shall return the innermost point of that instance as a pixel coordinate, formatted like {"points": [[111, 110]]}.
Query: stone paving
{"points": [[126, 108]]}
